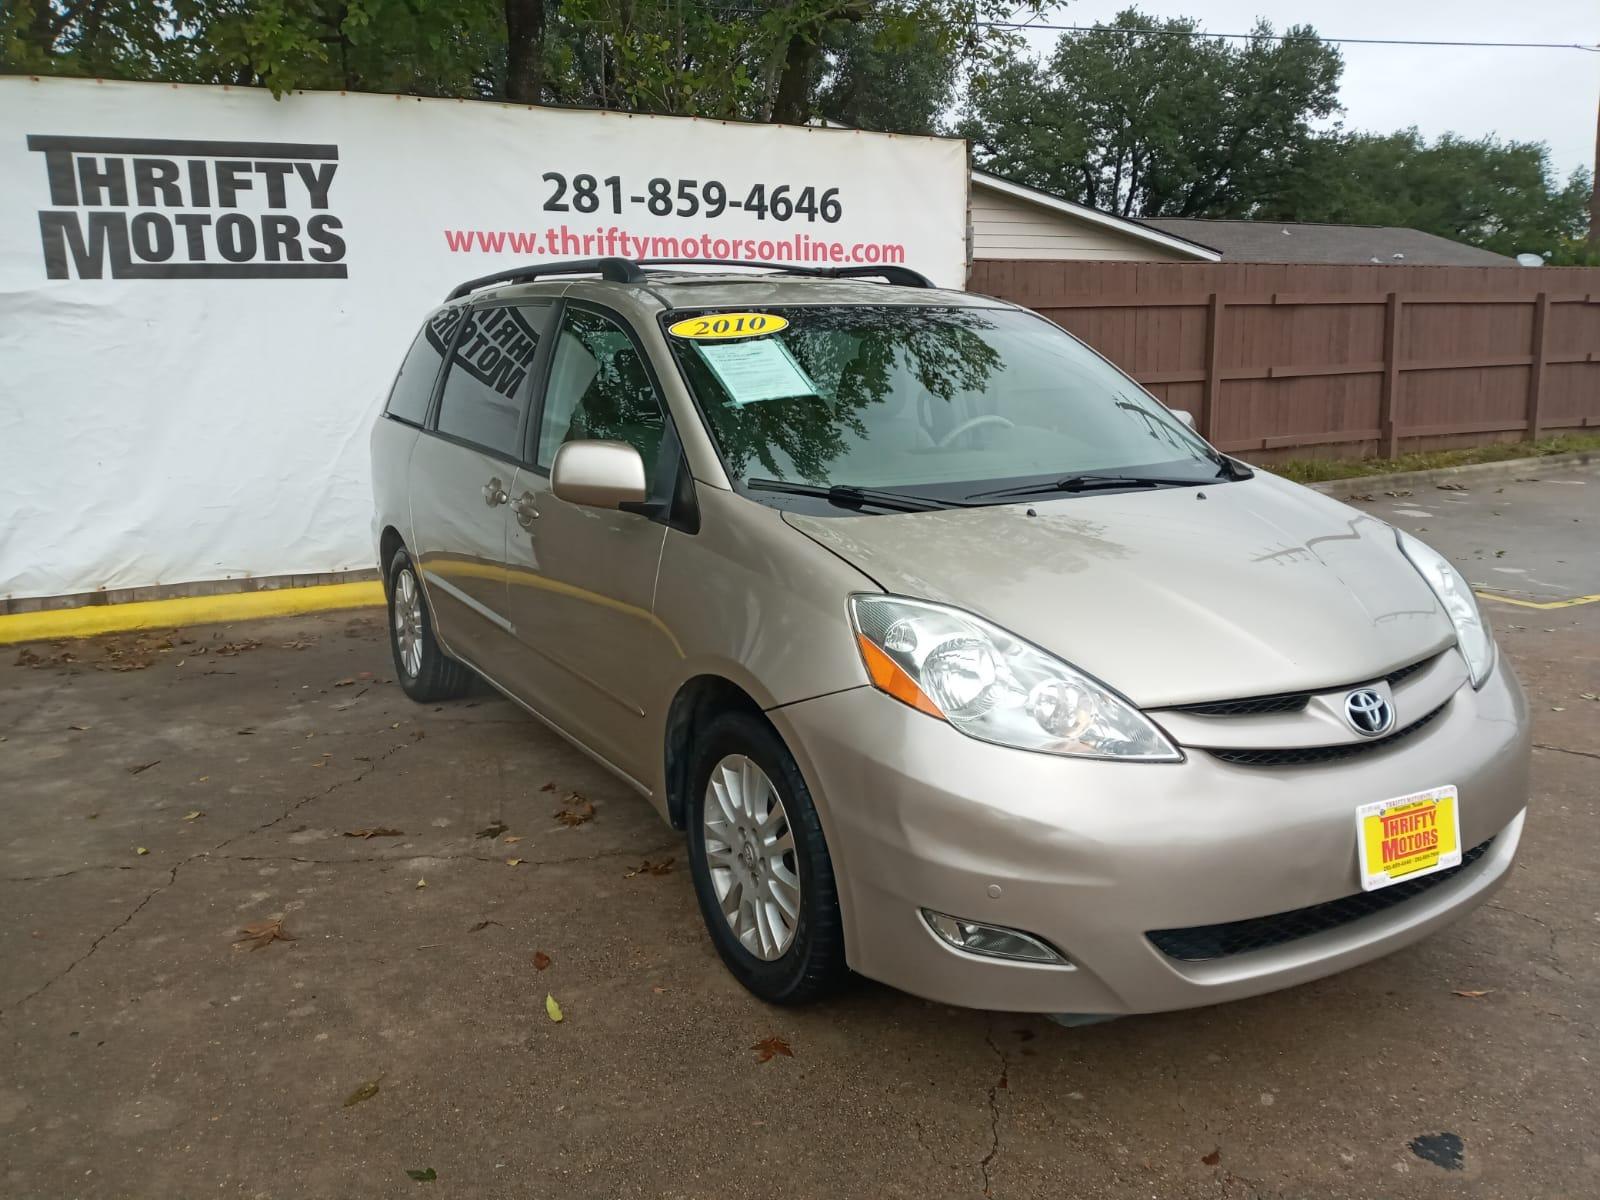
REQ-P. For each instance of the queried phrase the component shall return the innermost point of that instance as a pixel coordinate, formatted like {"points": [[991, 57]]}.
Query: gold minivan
{"points": [[961, 661]]}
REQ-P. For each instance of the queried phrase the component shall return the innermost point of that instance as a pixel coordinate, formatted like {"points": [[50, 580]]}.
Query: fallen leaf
{"points": [[365, 1092], [552, 1008], [1557, 708], [1450, 487], [649, 868], [1473, 995], [372, 833], [1400, 495], [549, 787], [1365, 497], [492, 831], [1588, 696], [141, 850], [766, 1048], [482, 925], [426, 1175], [1213, 1158], [193, 816], [658, 989], [143, 767], [576, 813], [79, 728], [513, 862], [344, 683], [422, 883], [541, 960], [259, 933]]}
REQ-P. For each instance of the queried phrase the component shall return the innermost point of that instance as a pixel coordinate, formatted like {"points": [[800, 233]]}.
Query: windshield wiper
{"points": [[849, 496], [1090, 483]]}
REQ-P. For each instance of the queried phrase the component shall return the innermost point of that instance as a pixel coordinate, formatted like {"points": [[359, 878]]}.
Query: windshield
{"points": [[941, 399]]}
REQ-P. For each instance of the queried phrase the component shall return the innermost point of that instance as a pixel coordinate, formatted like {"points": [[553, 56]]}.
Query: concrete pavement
{"points": [[142, 1054]]}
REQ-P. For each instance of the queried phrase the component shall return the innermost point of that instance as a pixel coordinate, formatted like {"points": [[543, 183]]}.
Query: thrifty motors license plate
{"points": [[1408, 837]]}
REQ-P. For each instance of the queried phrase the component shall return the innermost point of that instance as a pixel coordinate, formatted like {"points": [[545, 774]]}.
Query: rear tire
{"points": [[760, 864], [426, 673]]}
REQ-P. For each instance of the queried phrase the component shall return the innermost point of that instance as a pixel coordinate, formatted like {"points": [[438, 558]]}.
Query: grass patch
{"points": [[1317, 470]]}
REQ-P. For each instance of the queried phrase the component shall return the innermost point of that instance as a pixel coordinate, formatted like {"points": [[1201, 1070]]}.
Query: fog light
{"points": [[993, 940]]}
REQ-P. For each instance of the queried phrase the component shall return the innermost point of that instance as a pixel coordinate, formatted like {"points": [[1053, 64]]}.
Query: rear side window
{"points": [[413, 387], [484, 394]]}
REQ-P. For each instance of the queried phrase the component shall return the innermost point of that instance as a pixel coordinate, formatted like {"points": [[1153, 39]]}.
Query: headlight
{"points": [[1472, 634], [995, 687]]}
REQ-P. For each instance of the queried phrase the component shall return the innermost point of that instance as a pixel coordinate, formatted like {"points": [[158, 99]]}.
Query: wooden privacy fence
{"points": [[1339, 361]]}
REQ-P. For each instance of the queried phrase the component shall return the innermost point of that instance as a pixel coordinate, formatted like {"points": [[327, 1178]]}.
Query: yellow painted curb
{"points": [[185, 610]]}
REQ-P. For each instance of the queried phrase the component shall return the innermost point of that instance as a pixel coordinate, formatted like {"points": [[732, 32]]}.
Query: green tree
{"points": [[896, 79], [1145, 117], [1503, 196]]}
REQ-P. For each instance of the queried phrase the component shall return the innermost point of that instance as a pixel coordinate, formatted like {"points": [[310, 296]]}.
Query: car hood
{"points": [[1172, 597]]}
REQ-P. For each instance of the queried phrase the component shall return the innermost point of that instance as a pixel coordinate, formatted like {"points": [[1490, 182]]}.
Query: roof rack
{"points": [[901, 276], [627, 270], [618, 270]]}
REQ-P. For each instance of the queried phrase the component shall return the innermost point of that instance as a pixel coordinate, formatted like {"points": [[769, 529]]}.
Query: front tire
{"points": [[761, 868], [426, 672]]}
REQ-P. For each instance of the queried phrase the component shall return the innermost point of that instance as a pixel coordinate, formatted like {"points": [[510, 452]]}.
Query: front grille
{"points": [[1287, 701], [1297, 756], [1201, 943]]}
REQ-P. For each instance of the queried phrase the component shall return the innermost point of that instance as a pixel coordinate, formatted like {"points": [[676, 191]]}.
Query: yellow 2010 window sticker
{"points": [[716, 326]]}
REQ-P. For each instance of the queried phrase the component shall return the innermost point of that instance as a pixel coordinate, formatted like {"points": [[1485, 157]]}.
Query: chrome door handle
{"points": [[526, 513], [494, 492]]}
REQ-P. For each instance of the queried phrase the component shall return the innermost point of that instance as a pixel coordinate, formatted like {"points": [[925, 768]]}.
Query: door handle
{"points": [[525, 512], [494, 492]]}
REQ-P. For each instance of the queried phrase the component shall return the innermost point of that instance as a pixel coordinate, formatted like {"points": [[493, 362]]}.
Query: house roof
{"points": [[1172, 241], [1305, 242]]}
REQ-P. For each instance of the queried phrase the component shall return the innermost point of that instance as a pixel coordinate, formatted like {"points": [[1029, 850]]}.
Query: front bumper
{"points": [[1090, 856]]}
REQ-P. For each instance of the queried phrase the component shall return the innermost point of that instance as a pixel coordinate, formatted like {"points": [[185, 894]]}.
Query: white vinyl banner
{"points": [[205, 292]]}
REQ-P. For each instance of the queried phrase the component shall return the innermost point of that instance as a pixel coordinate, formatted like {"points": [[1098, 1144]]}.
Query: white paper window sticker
{"points": [[758, 370]]}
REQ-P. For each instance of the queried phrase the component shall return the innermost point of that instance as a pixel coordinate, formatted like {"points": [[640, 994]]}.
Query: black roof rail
{"points": [[617, 270], [902, 276]]}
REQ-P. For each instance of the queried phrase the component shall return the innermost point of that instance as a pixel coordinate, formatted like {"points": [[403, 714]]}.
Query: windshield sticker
{"points": [[715, 327], [754, 371]]}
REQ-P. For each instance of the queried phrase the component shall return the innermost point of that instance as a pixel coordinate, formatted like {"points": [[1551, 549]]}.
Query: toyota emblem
{"points": [[1368, 712]]}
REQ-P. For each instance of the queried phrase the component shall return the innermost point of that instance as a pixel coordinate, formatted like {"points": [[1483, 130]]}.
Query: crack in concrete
{"points": [[172, 873], [65, 874], [994, 1111], [436, 857], [1564, 750], [172, 876], [1549, 931]]}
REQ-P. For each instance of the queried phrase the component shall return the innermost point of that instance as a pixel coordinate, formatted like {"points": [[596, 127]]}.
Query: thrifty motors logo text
{"points": [[151, 208]]}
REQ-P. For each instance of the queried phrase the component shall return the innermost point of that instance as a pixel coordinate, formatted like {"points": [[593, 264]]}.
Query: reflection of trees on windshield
{"points": [[857, 357]]}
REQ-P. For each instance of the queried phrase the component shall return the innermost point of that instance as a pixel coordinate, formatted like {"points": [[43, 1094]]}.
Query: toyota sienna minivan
{"points": [[960, 660]]}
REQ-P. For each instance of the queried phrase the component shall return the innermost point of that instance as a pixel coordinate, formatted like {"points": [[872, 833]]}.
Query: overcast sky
{"points": [[1527, 95]]}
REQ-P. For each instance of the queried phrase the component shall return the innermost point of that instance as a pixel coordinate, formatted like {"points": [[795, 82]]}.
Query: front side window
{"points": [[599, 388], [945, 400], [483, 394]]}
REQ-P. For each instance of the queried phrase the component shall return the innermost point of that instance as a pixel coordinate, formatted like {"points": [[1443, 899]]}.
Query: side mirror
{"points": [[1183, 415], [599, 474]]}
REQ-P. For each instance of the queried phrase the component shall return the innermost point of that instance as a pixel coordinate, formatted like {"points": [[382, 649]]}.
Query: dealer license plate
{"points": [[1408, 837]]}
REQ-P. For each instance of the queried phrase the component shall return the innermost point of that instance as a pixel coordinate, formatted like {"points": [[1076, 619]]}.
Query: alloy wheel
{"points": [[408, 621], [751, 858]]}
